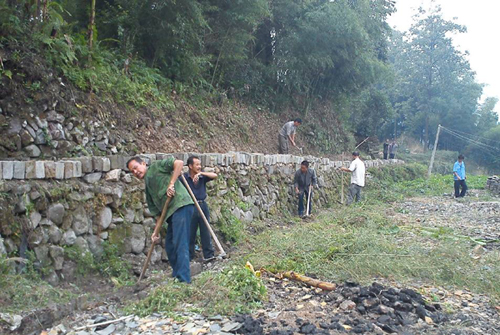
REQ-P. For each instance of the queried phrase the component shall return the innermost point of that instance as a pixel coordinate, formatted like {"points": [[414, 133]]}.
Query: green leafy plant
{"points": [[109, 264], [230, 226]]}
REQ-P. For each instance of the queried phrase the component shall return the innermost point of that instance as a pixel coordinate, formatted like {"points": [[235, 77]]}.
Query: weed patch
{"points": [[234, 290], [398, 183], [230, 226], [360, 243], [109, 264], [21, 292]]}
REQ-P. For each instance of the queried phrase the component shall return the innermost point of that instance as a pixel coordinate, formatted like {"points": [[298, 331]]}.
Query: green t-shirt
{"points": [[157, 179]]}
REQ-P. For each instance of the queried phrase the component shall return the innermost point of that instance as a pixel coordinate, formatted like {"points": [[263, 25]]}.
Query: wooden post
{"points": [[429, 172]]}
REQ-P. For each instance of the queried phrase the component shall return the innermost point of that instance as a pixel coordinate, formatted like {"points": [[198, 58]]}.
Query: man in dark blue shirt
{"points": [[197, 180]]}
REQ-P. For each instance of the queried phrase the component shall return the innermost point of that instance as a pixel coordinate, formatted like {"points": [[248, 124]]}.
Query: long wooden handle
{"points": [[342, 182], [216, 240], [159, 223], [308, 200]]}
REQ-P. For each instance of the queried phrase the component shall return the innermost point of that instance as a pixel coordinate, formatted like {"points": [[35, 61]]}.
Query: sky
{"points": [[481, 17]]}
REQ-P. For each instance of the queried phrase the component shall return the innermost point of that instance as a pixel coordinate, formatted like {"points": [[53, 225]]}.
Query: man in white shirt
{"points": [[357, 168]]}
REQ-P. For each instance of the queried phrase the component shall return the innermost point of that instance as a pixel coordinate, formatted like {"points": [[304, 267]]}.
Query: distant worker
{"points": [[126, 65], [459, 177], [386, 148], [304, 178], [357, 168], [287, 133], [161, 179], [393, 148], [198, 180]]}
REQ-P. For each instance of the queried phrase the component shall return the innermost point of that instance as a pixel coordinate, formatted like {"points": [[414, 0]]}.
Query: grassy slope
{"points": [[40, 71]]}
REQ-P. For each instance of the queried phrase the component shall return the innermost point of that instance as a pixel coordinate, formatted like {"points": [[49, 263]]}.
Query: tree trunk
{"points": [[91, 24], [44, 11], [426, 134]]}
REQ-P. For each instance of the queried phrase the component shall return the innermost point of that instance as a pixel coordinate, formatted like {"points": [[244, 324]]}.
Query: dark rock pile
{"points": [[353, 308]]}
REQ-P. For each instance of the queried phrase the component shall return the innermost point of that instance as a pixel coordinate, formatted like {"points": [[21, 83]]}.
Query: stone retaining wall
{"points": [[108, 167], [50, 206], [493, 184]]}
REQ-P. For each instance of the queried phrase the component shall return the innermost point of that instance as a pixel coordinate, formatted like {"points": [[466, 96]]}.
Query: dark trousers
{"points": [[206, 239], [463, 185], [282, 144], [303, 196], [177, 242], [385, 155], [354, 193], [391, 156]]}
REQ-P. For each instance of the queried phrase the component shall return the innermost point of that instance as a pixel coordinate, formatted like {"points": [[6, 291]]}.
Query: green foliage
{"points": [[398, 183], [109, 264], [234, 290], [141, 86], [434, 83], [371, 110], [486, 156], [26, 291], [230, 226], [361, 242], [163, 299], [244, 288]]}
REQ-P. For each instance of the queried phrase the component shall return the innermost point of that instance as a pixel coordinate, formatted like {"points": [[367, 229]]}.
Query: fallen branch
{"points": [[304, 279], [103, 323], [383, 255]]}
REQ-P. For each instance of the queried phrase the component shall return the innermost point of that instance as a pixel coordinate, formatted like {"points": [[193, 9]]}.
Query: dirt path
{"points": [[472, 216]]}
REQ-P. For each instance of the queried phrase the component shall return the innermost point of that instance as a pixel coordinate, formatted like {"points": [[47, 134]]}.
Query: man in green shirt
{"points": [[161, 179]]}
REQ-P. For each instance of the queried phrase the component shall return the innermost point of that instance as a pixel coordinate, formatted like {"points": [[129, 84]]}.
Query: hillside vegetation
{"points": [[219, 75]]}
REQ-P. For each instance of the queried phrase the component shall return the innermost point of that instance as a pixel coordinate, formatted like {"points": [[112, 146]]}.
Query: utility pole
{"points": [[434, 152]]}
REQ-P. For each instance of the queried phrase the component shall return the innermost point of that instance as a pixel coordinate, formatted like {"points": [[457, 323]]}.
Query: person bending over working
{"points": [[357, 170], [161, 182], [459, 177], [287, 133], [198, 180], [304, 177]]}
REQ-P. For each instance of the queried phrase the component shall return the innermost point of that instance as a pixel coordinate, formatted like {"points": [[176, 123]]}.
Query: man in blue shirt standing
{"points": [[459, 177], [197, 180]]}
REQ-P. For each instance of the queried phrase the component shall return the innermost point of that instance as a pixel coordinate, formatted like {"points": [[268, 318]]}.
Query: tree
{"points": [[321, 49], [434, 82], [486, 116]]}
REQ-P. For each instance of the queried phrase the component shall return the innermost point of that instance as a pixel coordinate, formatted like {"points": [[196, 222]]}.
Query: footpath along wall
{"points": [[50, 206]]}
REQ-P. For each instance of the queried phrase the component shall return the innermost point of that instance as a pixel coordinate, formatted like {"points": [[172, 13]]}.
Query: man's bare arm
{"points": [[210, 175]]}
